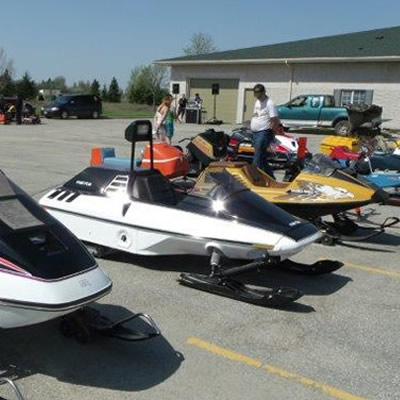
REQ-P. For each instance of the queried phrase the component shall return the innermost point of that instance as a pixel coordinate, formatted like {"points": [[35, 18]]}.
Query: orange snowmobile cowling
{"points": [[169, 160]]}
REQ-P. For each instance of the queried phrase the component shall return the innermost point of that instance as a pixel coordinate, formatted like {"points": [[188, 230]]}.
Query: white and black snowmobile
{"points": [[140, 212], [46, 272]]}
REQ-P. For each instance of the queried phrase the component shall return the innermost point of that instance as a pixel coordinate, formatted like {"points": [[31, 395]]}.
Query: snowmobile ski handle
{"points": [[146, 317], [389, 222], [14, 387]]}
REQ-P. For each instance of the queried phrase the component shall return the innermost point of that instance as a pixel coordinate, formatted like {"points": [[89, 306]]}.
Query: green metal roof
{"points": [[383, 42]]}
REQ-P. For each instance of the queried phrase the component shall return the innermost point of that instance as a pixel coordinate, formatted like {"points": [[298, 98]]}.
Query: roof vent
{"points": [[380, 37]]}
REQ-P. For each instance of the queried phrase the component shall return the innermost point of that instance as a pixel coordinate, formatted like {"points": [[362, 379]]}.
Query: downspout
{"points": [[290, 80]]}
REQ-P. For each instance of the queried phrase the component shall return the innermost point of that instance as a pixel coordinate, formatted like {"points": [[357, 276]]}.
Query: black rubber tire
{"points": [[342, 127], [64, 114], [327, 240]]}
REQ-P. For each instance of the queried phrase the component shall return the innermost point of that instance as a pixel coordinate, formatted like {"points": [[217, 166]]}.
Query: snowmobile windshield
{"points": [[320, 164], [231, 200], [34, 241]]}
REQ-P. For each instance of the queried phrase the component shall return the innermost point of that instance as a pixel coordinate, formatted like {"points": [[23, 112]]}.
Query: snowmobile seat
{"points": [[150, 185]]}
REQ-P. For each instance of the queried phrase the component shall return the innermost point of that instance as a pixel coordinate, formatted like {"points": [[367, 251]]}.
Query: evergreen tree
{"points": [[7, 85], [114, 92], [95, 88], [104, 93], [26, 87]]}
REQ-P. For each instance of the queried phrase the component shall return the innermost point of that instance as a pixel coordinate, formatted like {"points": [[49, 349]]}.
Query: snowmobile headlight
{"points": [[54, 108]]}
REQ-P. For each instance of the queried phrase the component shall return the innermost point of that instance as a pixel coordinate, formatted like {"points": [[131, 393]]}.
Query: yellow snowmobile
{"points": [[310, 196]]}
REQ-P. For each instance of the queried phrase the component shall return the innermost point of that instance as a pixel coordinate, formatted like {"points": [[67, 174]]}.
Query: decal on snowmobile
{"points": [[203, 145], [84, 183], [318, 192]]}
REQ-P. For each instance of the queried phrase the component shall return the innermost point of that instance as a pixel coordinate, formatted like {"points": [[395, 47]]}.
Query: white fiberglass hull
{"points": [[151, 229], [27, 301]]}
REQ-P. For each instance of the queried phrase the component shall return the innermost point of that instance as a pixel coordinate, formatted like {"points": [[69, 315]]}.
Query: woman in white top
{"points": [[160, 119]]}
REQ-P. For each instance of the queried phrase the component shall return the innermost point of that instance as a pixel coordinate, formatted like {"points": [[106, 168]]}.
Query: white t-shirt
{"points": [[263, 112]]}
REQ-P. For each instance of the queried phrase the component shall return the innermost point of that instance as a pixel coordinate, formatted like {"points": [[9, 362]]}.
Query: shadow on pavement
{"points": [[104, 363], [320, 285]]}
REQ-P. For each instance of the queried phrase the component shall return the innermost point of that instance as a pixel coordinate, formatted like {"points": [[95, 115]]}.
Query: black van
{"points": [[77, 105]]}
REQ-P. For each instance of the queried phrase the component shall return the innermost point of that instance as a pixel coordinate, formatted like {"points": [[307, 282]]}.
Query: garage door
{"points": [[249, 101], [226, 100]]}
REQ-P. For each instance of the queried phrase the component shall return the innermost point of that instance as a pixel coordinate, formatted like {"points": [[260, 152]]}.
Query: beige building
{"points": [[362, 67]]}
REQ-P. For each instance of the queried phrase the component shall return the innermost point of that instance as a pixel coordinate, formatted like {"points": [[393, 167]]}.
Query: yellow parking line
{"points": [[373, 270], [240, 358]]}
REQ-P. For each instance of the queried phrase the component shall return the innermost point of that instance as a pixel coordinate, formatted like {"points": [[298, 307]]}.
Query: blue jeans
{"points": [[261, 141]]}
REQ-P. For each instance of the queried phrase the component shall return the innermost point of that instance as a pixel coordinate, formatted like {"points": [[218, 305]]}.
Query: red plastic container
{"points": [[169, 160]]}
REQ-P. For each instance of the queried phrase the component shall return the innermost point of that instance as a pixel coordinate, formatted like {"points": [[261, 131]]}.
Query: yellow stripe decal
{"points": [[373, 270], [251, 362]]}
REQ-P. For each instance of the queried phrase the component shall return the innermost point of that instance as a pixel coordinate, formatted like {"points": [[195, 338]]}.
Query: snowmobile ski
{"points": [[83, 324], [318, 268], [234, 289]]}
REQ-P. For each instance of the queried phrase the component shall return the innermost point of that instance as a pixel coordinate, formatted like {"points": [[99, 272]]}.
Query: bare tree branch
{"points": [[6, 64], [200, 43]]}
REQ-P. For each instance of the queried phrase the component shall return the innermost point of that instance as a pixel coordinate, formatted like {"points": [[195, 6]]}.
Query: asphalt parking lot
{"points": [[341, 340]]}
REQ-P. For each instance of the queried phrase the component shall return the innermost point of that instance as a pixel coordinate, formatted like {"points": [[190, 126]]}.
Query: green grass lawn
{"points": [[127, 110], [116, 110]]}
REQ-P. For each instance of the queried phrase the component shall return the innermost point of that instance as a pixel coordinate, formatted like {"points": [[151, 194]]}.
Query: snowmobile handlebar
{"points": [[185, 139]]}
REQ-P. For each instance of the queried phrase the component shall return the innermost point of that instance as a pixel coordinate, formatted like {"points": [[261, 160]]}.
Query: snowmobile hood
{"points": [[221, 196], [309, 195], [231, 199], [33, 243]]}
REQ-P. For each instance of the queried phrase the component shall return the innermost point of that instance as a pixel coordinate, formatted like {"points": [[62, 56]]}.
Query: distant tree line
{"points": [[29, 89], [148, 84]]}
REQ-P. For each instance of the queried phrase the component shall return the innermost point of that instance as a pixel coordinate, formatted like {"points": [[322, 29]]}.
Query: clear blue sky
{"points": [[86, 39]]}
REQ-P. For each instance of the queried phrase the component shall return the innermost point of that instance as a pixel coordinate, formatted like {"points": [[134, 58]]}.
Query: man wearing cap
{"points": [[264, 123]]}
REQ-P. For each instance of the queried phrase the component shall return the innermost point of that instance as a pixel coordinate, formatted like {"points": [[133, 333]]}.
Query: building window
{"points": [[350, 96]]}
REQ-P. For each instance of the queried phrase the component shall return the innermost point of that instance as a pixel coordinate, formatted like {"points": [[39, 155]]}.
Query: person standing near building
{"points": [[170, 120], [163, 124], [198, 100], [182, 103], [18, 109], [264, 124]]}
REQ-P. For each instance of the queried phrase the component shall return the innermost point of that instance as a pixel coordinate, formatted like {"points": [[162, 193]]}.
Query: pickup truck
{"points": [[314, 111]]}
